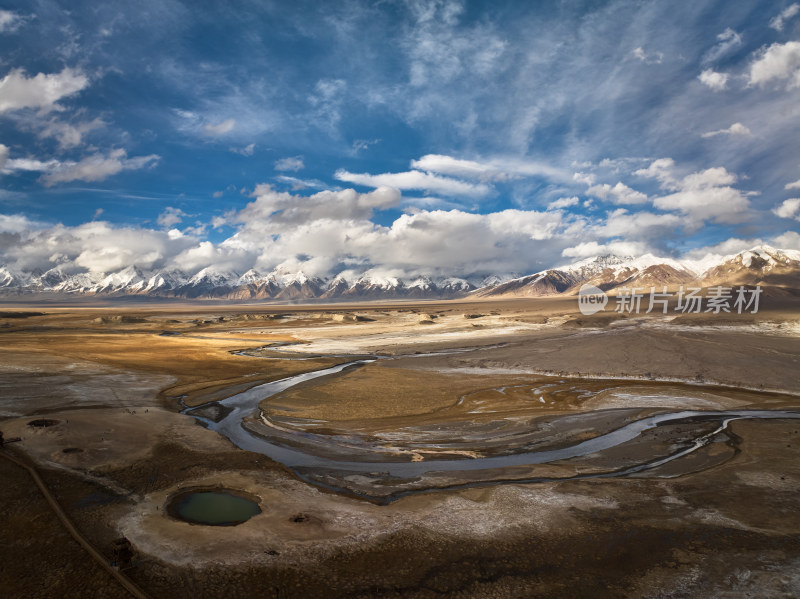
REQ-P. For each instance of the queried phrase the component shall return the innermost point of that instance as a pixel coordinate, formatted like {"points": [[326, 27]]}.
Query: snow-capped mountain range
{"points": [[760, 265]]}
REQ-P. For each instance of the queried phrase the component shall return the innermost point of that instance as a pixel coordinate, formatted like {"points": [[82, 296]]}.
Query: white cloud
{"points": [[40, 91], [275, 209], [363, 144], [95, 246], [652, 58], [293, 163], [247, 150], [789, 12], [778, 61], [793, 185], [708, 196], [332, 228], [298, 184], [8, 20], [733, 130], [788, 209], [727, 41], [585, 178], [17, 223], [714, 80], [221, 128], [588, 249], [3, 156], [703, 196], [96, 167], [496, 169], [327, 101], [69, 135], [661, 170], [447, 165], [789, 240], [641, 226], [618, 194], [417, 180], [562, 203], [700, 258], [29, 164], [170, 217]]}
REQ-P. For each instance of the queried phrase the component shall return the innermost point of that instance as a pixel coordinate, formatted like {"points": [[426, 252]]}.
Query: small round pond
{"points": [[213, 507]]}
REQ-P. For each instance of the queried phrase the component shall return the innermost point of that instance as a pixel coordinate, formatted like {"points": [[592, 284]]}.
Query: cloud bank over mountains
{"points": [[333, 231]]}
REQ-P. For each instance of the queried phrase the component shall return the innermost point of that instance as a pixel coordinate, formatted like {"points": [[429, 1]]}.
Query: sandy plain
{"points": [[453, 380]]}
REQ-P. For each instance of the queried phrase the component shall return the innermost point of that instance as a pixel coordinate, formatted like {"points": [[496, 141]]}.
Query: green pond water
{"points": [[214, 508]]}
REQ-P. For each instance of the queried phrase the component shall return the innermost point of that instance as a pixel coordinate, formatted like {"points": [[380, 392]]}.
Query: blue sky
{"points": [[400, 137]]}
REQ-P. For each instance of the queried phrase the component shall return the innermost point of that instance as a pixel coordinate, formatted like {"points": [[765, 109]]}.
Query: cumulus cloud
{"points": [[322, 234], [9, 20], [789, 240], [618, 194], [292, 163], [95, 247], [661, 170], [563, 203], [585, 178], [733, 130], [788, 209], [96, 167], [641, 226], [275, 209], [777, 62], [69, 135], [331, 230], [171, 217], [221, 128], [714, 80], [417, 180], [793, 185], [41, 91], [588, 249], [17, 223], [3, 156], [706, 195], [790, 11]]}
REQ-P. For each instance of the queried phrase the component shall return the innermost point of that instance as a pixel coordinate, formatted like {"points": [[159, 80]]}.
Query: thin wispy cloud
{"points": [[786, 14], [292, 163], [732, 131]]}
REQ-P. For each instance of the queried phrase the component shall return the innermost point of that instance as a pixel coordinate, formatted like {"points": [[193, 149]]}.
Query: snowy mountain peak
{"points": [[617, 264], [211, 276], [759, 265], [251, 277], [769, 255]]}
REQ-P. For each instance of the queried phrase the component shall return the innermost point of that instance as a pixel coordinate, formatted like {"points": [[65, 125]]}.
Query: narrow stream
{"points": [[243, 405]]}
